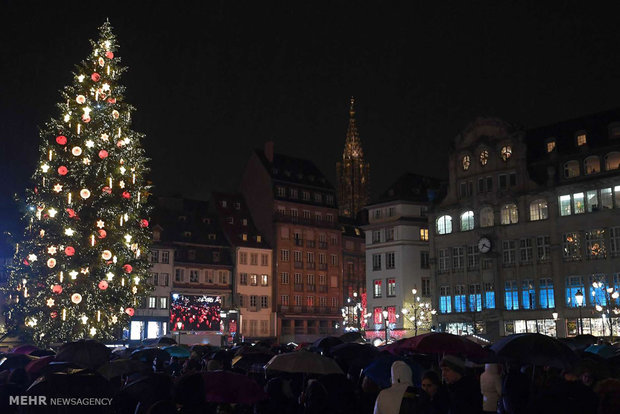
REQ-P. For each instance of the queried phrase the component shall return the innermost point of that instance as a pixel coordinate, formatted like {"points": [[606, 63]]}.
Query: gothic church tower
{"points": [[353, 172]]}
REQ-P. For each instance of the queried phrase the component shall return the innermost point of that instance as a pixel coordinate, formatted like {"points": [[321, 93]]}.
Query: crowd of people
{"points": [[156, 381]]}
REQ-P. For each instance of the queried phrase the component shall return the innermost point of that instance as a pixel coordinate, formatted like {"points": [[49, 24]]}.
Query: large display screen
{"points": [[195, 312]]}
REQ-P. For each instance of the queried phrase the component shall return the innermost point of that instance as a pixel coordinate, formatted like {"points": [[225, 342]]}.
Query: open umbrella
{"points": [[34, 367], [324, 344], [352, 336], [159, 342], [534, 349], [230, 387], [603, 350], [303, 362], [120, 367], [252, 362], [177, 351], [380, 370], [352, 355], [147, 355], [85, 353], [13, 361], [24, 349], [436, 343]]}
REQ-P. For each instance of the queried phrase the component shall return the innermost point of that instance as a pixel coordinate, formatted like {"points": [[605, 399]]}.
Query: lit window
{"points": [[509, 214], [581, 140], [512, 295], [484, 157], [595, 244], [466, 162], [444, 225], [612, 161], [377, 288], [506, 152], [391, 287], [571, 169], [467, 221], [538, 210], [550, 146], [592, 165], [424, 234]]}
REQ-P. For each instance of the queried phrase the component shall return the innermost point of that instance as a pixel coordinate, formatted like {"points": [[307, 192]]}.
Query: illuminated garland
{"points": [[81, 269]]}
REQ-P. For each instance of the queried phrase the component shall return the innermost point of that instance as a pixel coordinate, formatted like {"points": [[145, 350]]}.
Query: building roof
{"points": [[187, 221], [293, 170], [411, 187], [236, 221]]}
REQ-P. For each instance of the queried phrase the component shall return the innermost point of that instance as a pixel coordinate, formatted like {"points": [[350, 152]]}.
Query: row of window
{"points": [[469, 298], [251, 327], [591, 165], [589, 201], [483, 157], [160, 257], [310, 279], [253, 279], [295, 194], [390, 283], [310, 301], [485, 184], [298, 257], [160, 279], [253, 301], [387, 235], [308, 237], [600, 290], [160, 302], [264, 259], [210, 276], [592, 244]]}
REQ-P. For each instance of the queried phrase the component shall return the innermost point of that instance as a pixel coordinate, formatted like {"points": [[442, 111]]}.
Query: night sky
{"points": [[212, 80]]}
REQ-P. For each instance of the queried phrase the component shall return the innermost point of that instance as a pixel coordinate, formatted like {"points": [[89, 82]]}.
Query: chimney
{"points": [[269, 151]]}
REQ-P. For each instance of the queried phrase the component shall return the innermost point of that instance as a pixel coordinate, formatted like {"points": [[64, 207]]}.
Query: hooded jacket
{"points": [[389, 400]]}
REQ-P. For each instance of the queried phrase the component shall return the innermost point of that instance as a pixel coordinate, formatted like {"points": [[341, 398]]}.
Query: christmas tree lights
{"points": [[80, 269]]}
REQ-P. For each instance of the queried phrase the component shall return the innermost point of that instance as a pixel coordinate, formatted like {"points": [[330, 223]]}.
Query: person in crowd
{"points": [[390, 399], [463, 391], [435, 393], [491, 387], [608, 392], [515, 391]]}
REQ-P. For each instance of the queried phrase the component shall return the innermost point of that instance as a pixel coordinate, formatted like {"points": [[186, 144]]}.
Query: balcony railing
{"points": [[322, 266], [322, 288], [310, 265], [299, 265], [310, 288], [286, 218], [310, 243], [322, 245], [298, 287], [299, 242]]}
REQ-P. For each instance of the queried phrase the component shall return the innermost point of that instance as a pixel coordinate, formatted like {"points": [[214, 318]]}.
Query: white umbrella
{"points": [[305, 362]]}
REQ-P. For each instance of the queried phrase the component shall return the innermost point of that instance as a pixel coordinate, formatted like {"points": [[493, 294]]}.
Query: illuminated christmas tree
{"points": [[81, 267]]}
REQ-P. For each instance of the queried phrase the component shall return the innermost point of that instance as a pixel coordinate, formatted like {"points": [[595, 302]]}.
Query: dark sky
{"points": [[212, 80]]}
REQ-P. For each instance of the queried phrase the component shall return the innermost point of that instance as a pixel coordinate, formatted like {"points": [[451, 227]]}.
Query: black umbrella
{"points": [[534, 349], [12, 361], [85, 353], [147, 355], [352, 337], [120, 367], [324, 344], [354, 356]]}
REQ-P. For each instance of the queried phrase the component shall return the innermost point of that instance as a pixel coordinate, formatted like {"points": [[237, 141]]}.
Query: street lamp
{"points": [[179, 326], [607, 305], [579, 300], [385, 321]]}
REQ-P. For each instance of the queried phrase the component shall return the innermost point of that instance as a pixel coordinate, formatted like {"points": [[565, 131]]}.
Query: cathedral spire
{"points": [[352, 146], [352, 172]]}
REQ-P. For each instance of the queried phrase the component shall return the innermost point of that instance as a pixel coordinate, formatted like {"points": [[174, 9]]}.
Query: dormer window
{"points": [[550, 146], [245, 222], [244, 237], [484, 157], [259, 239], [466, 161], [506, 152], [581, 139]]}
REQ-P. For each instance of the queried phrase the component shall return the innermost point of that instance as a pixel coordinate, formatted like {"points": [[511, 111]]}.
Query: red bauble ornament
{"points": [[69, 251], [103, 154], [26, 262], [111, 100], [129, 311], [95, 77], [144, 223], [71, 213], [103, 285], [109, 55], [102, 234], [53, 314], [62, 170], [57, 289], [107, 190], [126, 195], [127, 268], [61, 139]]}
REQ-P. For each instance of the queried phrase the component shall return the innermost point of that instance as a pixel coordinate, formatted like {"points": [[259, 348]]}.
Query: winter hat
{"points": [[455, 363]]}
